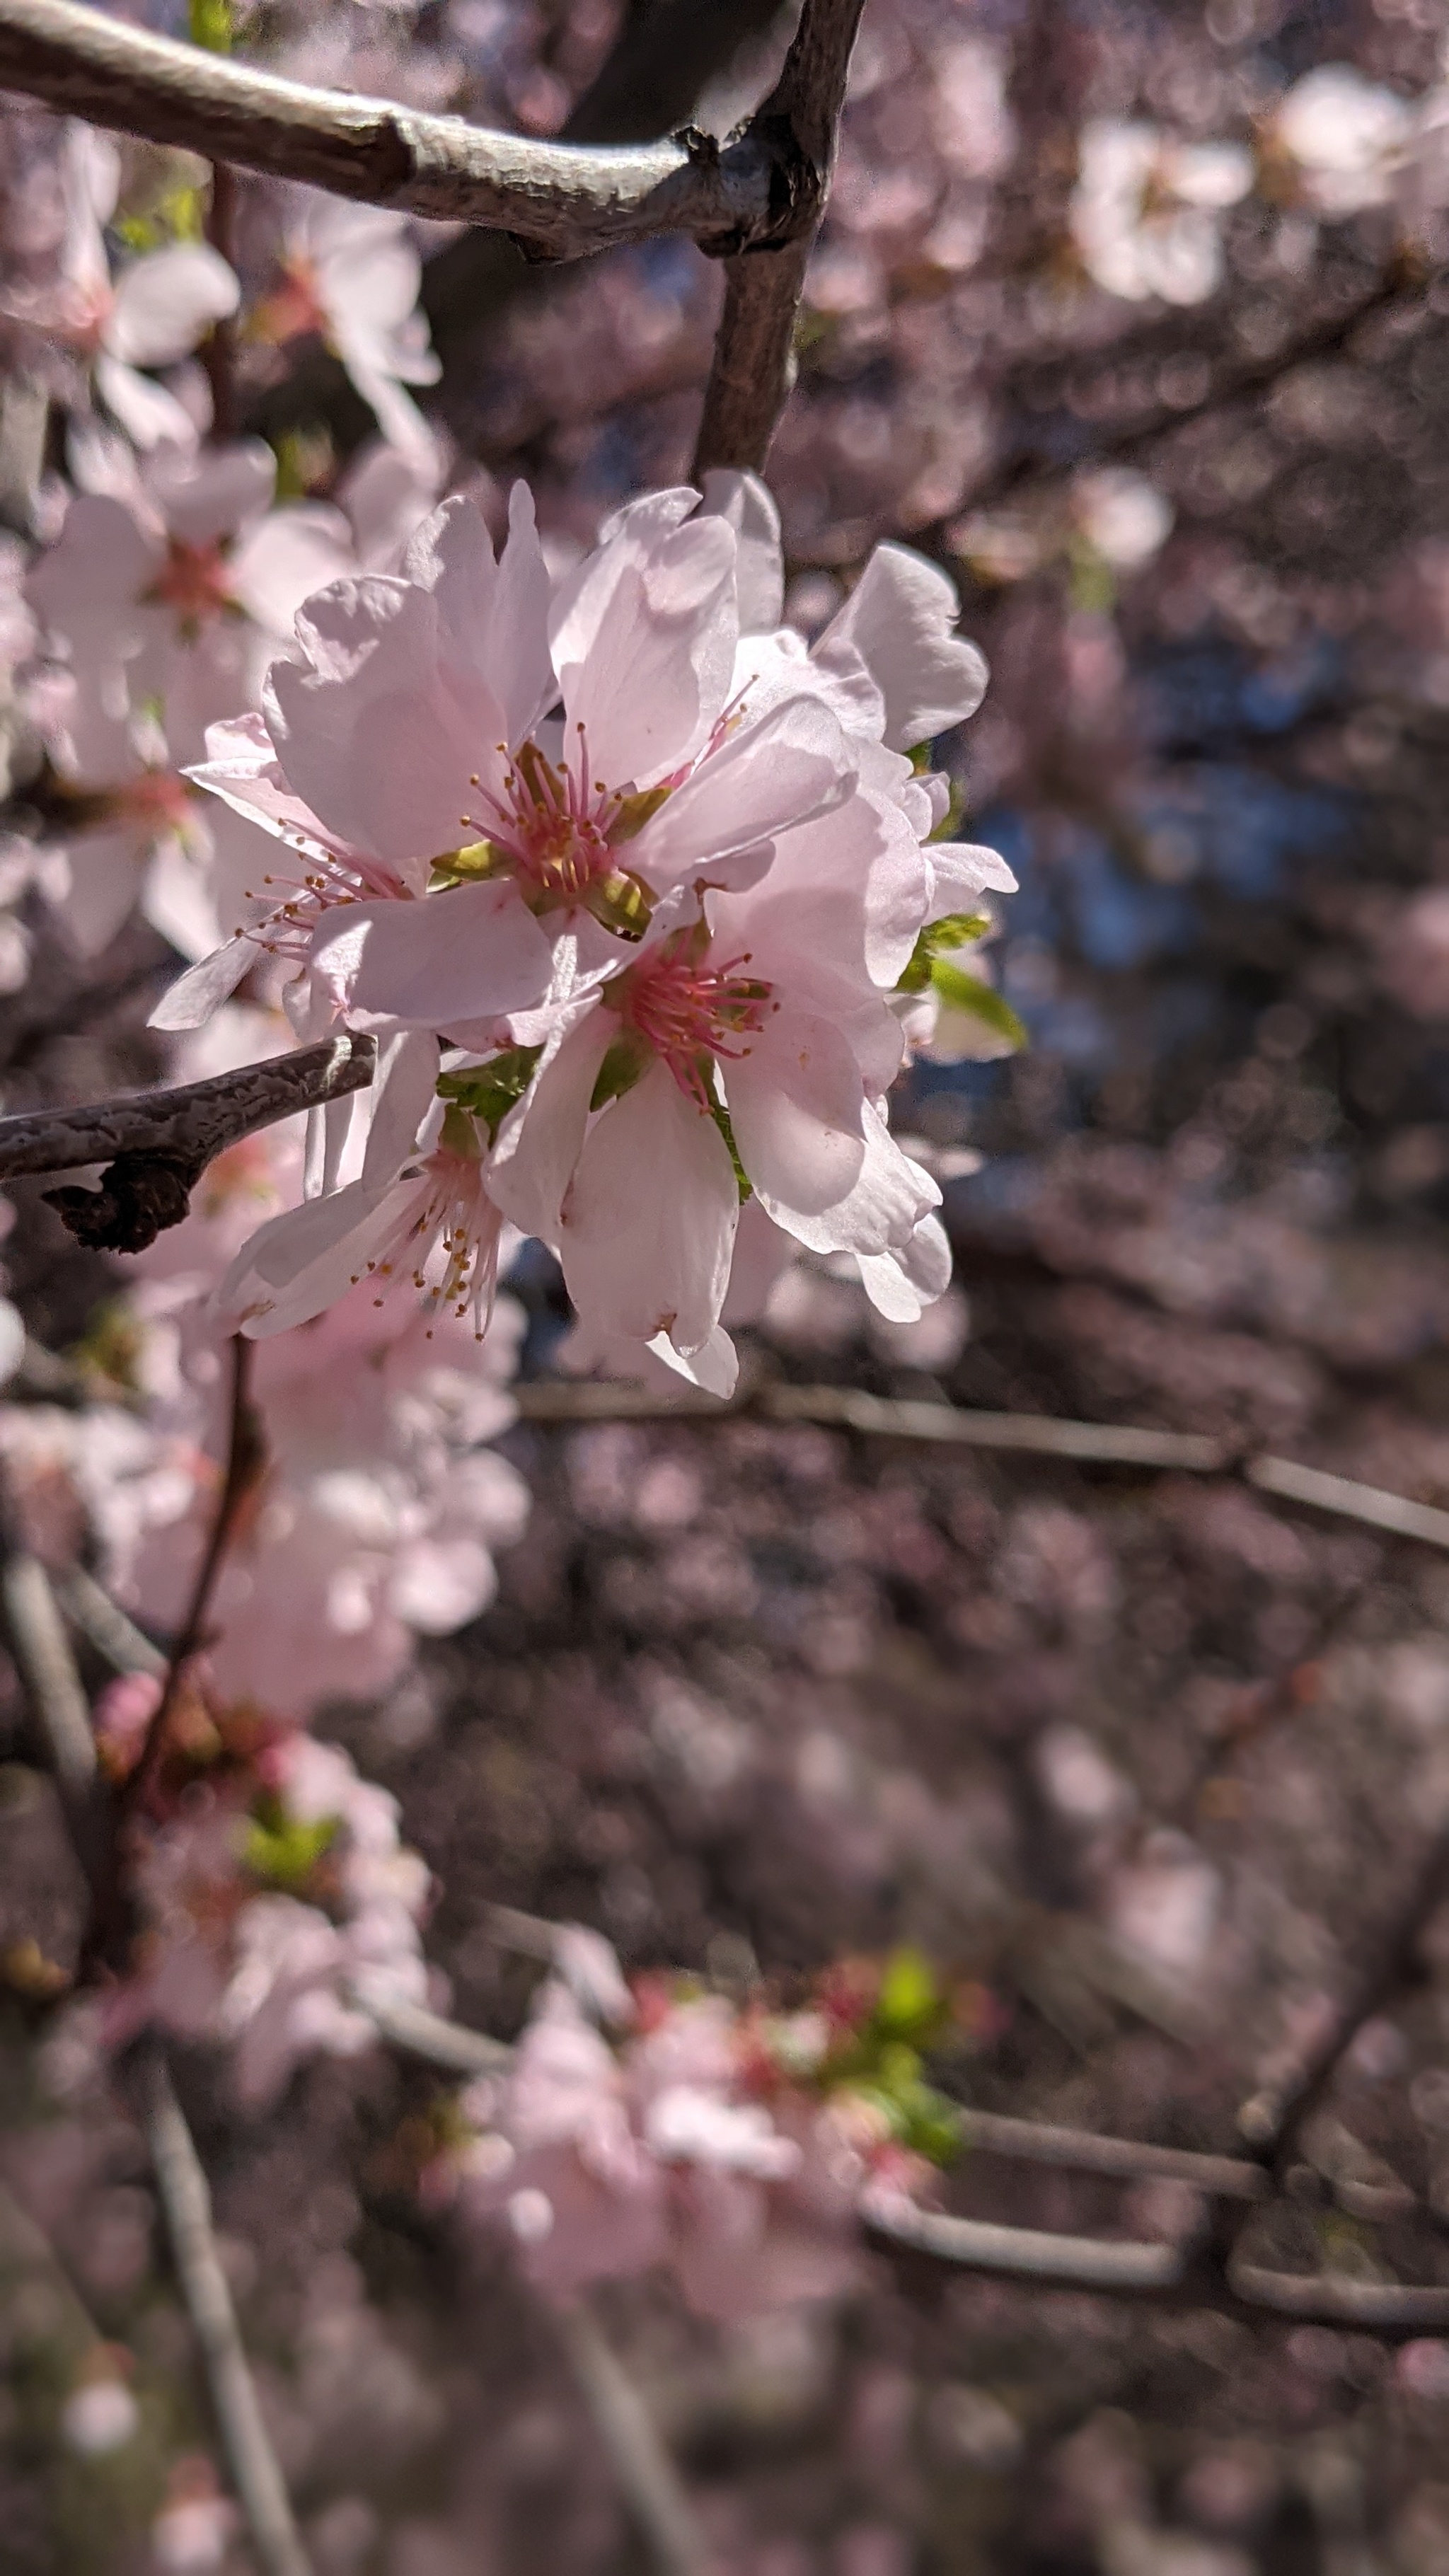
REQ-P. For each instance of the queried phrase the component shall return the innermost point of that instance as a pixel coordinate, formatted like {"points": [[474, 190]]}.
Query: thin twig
{"points": [[1349, 1500], [56, 1696], [186, 2204], [219, 351], [1335, 2299], [1273, 2119], [1025, 2253], [243, 1459], [647, 2476], [1024, 476], [561, 199], [425, 2034], [47, 1669], [104, 1625], [158, 1143], [1038, 2142], [752, 368], [564, 1400]]}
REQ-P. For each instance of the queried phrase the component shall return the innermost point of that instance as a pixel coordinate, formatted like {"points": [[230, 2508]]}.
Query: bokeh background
{"points": [[1153, 1762]]}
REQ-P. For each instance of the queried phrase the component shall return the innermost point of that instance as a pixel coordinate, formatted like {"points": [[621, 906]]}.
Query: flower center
{"points": [[446, 1239], [194, 581], [158, 801], [687, 1013], [293, 308], [557, 831]]}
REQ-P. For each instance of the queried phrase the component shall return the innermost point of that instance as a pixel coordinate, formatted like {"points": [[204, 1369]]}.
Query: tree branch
{"points": [[561, 200], [186, 2205], [1349, 1500], [163, 1140], [57, 1701], [753, 363], [649, 85], [1025, 2253], [647, 2476], [1038, 2142], [420, 2033], [243, 1462]]}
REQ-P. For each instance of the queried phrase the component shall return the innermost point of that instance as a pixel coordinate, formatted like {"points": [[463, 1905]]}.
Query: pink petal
{"points": [[900, 618], [167, 301], [463, 955]]}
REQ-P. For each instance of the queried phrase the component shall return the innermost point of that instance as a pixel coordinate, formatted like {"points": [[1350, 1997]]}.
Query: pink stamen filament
{"points": [[554, 829], [686, 1012], [194, 581], [453, 1213]]}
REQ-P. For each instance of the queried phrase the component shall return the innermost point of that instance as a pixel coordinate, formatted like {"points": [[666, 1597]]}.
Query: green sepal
{"points": [[721, 1116], [956, 930], [625, 1059], [910, 2005], [621, 904], [950, 822], [634, 812], [968, 993], [467, 866], [282, 1851], [488, 1091], [210, 25]]}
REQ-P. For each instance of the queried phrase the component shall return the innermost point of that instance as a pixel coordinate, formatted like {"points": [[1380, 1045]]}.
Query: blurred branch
{"points": [[55, 1694], [1083, 2151], [753, 364], [647, 2476], [1338, 2300], [561, 1400], [1025, 2253], [105, 1626], [561, 199], [1272, 2119], [425, 2034], [186, 2205], [1348, 1499], [244, 1454], [1025, 474], [162, 1140]]}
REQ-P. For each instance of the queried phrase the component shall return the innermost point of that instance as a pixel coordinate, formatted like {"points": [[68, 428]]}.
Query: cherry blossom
{"points": [[410, 750], [273, 1896], [352, 274], [155, 313], [1346, 140], [1147, 209]]}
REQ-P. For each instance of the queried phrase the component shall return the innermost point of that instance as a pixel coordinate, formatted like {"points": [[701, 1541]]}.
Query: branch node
{"points": [[139, 1196]]}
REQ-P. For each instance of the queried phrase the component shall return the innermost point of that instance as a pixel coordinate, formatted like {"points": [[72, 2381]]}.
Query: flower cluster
{"points": [[631, 886], [274, 1895], [728, 2141]]}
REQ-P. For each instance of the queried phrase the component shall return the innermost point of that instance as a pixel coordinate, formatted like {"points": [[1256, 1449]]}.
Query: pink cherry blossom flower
{"points": [[604, 2163], [156, 312], [352, 275], [412, 747], [1146, 214]]}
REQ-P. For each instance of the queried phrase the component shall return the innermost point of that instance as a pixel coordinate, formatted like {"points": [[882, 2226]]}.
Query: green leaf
{"points": [[955, 930], [280, 1850], [626, 1058], [211, 26], [909, 2004], [488, 1091], [962, 992]]}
